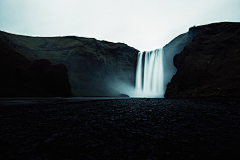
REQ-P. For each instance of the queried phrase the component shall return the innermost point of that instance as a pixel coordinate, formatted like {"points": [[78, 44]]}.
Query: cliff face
{"points": [[94, 67], [209, 65], [23, 78], [174, 47]]}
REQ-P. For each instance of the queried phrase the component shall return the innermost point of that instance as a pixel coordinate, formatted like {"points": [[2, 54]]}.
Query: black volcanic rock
{"points": [[94, 67], [23, 78], [209, 66]]}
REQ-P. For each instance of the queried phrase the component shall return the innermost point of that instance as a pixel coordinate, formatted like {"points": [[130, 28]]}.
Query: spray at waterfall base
{"points": [[149, 76]]}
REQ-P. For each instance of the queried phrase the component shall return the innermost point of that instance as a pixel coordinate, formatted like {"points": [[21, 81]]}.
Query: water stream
{"points": [[149, 74]]}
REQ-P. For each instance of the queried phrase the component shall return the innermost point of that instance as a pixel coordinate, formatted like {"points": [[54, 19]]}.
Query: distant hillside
{"points": [[94, 67]]}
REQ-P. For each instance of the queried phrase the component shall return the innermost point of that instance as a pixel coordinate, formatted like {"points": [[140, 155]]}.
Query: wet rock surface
{"points": [[146, 129]]}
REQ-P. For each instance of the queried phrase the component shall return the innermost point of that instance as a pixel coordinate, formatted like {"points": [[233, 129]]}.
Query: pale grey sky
{"points": [[142, 24]]}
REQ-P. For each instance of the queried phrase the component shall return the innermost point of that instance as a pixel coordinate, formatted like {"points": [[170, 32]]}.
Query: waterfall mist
{"points": [[149, 74], [149, 80]]}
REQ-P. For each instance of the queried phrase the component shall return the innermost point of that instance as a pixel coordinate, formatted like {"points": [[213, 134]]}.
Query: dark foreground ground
{"points": [[148, 129]]}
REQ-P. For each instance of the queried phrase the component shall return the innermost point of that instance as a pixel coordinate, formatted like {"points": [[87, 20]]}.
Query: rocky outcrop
{"points": [[23, 78], [174, 47], [209, 65], [94, 67]]}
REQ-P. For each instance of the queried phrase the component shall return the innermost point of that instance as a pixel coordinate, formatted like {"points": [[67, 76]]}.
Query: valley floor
{"points": [[148, 129]]}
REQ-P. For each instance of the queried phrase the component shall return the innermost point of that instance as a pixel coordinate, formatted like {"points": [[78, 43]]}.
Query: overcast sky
{"points": [[142, 24]]}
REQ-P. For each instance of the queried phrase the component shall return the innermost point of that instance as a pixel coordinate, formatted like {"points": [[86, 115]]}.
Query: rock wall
{"points": [[21, 77], [209, 65], [94, 67], [174, 47]]}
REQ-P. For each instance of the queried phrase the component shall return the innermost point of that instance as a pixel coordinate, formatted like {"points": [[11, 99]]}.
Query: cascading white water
{"points": [[149, 74]]}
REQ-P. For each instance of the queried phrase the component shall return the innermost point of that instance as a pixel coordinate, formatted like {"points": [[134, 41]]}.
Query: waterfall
{"points": [[149, 74]]}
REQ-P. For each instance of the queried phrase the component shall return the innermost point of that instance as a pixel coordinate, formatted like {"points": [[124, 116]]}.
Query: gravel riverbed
{"points": [[127, 129]]}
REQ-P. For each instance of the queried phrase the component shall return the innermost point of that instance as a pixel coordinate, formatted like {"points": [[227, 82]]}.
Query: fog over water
{"points": [[144, 24]]}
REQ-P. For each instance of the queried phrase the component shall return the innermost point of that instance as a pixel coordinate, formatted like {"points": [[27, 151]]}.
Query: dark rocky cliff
{"points": [[94, 67], [174, 47], [21, 77], [209, 66]]}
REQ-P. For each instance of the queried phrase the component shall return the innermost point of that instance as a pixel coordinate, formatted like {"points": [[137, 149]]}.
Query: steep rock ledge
{"points": [[209, 65]]}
